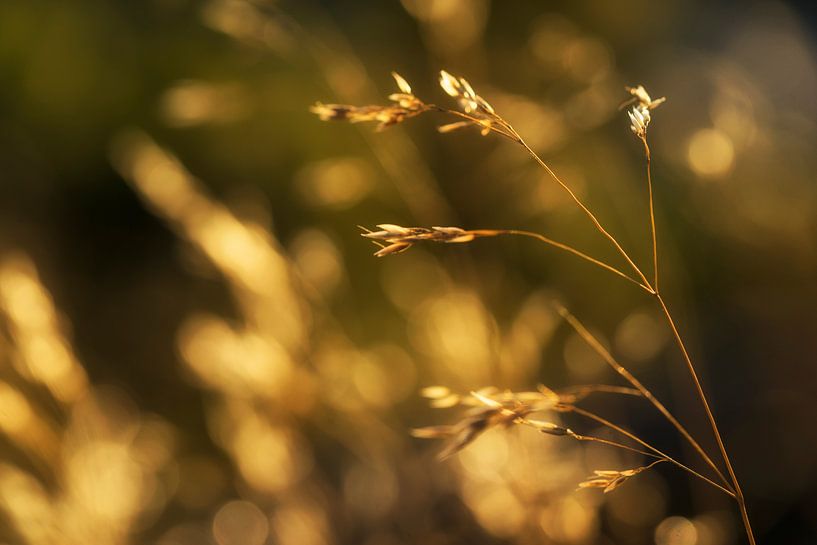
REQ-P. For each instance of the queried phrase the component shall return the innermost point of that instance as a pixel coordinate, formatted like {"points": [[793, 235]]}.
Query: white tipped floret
{"points": [[449, 84], [639, 119], [402, 84]]}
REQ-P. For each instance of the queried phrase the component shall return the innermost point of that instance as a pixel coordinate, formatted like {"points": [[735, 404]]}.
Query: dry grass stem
{"points": [[506, 409], [394, 239], [594, 343], [609, 480]]}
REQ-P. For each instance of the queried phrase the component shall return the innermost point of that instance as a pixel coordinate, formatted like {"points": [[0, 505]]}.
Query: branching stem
{"points": [[587, 211], [699, 389], [566, 248], [629, 377], [646, 445]]}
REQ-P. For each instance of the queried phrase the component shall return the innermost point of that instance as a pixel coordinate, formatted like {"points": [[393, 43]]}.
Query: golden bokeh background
{"points": [[196, 347]]}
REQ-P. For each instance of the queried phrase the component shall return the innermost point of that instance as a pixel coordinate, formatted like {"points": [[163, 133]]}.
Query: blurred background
{"points": [[196, 347]]}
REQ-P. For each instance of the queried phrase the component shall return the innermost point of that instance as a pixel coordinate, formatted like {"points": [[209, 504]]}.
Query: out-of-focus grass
{"points": [[197, 347]]}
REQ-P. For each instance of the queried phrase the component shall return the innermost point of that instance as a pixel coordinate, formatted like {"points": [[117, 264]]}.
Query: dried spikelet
{"points": [[640, 96], [461, 434], [406, 105], [394, 238], [487, 401], [491, 408], [609, 480], [548, 427], [449, 84], [449, 127], [639, 119], [531, 401], [402, 84], [639, 114], [482, 114]]}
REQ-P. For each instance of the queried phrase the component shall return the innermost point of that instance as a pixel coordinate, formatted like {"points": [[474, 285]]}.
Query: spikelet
{"points": [[609, 480], [405, 106], [639, 114], [395, 239]]}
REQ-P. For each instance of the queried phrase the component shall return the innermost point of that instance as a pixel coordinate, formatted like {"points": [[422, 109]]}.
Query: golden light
{"points": [[676, 531], [15, 411], [338, 183], [300, 523], [587, 59], [451, 25], [44, 353], [496, 508], [238, 362], [581, 360], [457, 330], [413, 279], [710, 153], [240, 523], [486, 458], [318, 260], [245, 254], [270, 458], [543, 125], [714, 528], [28, 505], [569, 521], [384, 376], [104, 478], [24, 300], [640, 502], [189, 103], [531, 329], [640, 337]]}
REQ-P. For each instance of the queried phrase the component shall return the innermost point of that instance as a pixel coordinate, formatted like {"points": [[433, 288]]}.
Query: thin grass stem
{"points": [[619, 429], [616, 444], [586, 210], [584, 391], [570, 249], [621, 370], [652, 216], [699, 389]]}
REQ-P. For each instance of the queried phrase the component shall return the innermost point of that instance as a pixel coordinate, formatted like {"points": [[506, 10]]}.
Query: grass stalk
{"points": [[643, 443], [594, 343]]}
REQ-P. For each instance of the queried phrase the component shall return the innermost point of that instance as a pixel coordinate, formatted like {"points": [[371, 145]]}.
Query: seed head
{"points": [[405, 105], [609, 480], [639, 119], [640, 96], [400, 238]]}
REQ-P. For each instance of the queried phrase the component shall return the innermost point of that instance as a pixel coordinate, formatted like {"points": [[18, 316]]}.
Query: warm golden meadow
{"points": [[269, 276]]}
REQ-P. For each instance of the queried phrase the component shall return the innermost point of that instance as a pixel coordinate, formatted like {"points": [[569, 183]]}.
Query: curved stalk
{"points": [[586, 210], [652, 216], [570, 249], [646, 445], [590, 438], [621, 370], [699, 389]]}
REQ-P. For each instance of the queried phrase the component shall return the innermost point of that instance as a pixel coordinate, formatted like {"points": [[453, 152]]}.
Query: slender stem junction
{"points": [[652, 215]]}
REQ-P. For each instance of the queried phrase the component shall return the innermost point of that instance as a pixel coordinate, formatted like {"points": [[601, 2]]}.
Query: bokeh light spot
{"points": [[676, 531], [240, 523], [710, 153]]}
